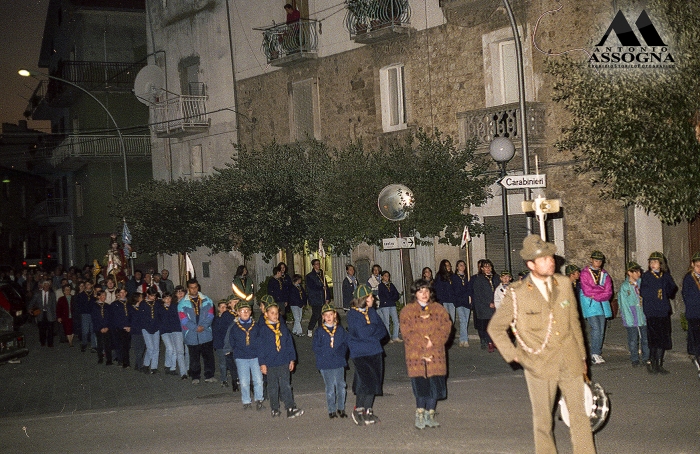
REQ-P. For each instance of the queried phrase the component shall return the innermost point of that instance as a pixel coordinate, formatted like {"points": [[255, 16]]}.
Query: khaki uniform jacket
{"points": [[565, 352]]}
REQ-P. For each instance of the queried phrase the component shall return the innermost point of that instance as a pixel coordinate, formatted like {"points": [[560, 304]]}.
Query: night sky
{"points": [[21, 31]]}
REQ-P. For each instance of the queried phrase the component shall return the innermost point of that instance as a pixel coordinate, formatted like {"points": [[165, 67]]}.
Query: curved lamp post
{"points": [[502, 150], [26, 73]]}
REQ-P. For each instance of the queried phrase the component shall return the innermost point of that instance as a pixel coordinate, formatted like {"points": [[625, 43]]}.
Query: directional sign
{"points": [[523, 181], [408, 242]]}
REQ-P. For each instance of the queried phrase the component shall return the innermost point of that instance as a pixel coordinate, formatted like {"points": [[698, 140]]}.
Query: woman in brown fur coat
{"points": [[425, 333]]}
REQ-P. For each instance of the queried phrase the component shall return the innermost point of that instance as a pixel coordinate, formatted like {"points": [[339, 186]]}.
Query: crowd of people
{"points": [[124, 323]]}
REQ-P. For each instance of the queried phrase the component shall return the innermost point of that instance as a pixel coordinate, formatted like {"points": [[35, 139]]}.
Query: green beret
{"points": [[597, 255], [243, 304], [362, 291], [656, 255], [571, 269], [267, 300], [506, 273], [633, 266], [327, 308], [534, 247], [696, 257]]}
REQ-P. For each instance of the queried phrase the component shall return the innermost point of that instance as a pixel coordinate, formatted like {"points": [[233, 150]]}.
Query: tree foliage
{"points": [[287, 196], [635, 130]]}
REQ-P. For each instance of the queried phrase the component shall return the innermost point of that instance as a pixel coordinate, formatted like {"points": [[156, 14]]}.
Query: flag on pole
{"points": [[321, 251], [466, 238], [126, 239], [189, 266]]}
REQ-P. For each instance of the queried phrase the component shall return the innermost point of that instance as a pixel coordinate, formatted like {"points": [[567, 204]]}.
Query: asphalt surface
{"points": [[61, 400]]}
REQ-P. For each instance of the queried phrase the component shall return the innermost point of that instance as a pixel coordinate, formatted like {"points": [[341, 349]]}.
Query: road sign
{"points": [[523, 181], [408, 242]]}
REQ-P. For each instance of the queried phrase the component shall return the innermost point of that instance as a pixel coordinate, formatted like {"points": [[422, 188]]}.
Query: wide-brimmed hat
{"points": [[534, 247]]}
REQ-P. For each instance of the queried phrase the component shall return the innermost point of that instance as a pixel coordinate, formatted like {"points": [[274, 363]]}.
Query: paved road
{"points": [[60, 400]]}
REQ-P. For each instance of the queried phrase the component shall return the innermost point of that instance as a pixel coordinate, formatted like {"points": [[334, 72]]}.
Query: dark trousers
{"points": [[45, 331], [139, 349], [315, 317], [104, 344], [117, 344], [206, 352], [278, 385], [123, 346]]}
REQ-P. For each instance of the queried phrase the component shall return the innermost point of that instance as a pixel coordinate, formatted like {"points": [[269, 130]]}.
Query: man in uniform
{"points": [[549, 344]]}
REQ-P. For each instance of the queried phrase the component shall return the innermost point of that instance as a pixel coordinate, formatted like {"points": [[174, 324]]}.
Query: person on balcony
{"points": [[290, 38], [293, 14]]}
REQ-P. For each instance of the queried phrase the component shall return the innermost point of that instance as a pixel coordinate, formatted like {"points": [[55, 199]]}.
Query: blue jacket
{"points": [[443, 289], [278, 289], [167, 319], [101, 316], [388, 296], [136, 320], [461, 289], [189, 320], [630, 308], [267, 348], [349, 287], [364, 339], [297, 296], [219, 328], [147, 316], [121, 314], [237, 339], [328, 357], [317, 289], [83, 303], [691, 296], [657, 293], [482, 291]]}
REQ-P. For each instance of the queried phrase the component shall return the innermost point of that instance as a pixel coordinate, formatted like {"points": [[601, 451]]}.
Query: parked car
{"points": [[12, 344], [11, 300], [33, 261]]}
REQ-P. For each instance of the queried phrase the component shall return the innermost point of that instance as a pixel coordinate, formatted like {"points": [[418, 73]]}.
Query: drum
{"points": [[596, 403]]}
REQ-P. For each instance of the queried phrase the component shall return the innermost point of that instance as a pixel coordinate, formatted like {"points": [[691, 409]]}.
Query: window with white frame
{"points": [[393, 95], [304, 110], [509, 71], [501, 68], [197, 160]]}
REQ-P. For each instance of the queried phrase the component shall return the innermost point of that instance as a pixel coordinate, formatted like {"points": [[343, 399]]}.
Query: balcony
{"points": [[180, 115], [50, 212], [288, 44], [371, 21], [75, 151], [501, 121]]}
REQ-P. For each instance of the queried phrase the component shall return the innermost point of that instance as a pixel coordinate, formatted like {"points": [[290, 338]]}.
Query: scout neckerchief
{"points": [[320, 277], [152, 305], [636, 291], [275, 328], [195, 304], [424, 311], [301, 292], [364, 312], [463, 277], [595, 274], [126, 307], [246, 331], [102, 309], [489, 277], [280, 280], [660, 292], [330, 333]]}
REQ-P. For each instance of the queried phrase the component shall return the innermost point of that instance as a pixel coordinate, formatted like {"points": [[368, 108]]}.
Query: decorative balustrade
{"points": [[367, 16], [179, 115], [81, 147], [501, 121], [290, 42]]}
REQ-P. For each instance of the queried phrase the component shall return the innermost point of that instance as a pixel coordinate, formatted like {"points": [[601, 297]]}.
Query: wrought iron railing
{"points": [[370, 15], [179, 113], [501, 121], [282, 40], [93, 146], [49, 208]]}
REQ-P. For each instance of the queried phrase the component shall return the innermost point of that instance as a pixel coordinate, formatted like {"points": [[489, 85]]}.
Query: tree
{"points": [[634, 130]]}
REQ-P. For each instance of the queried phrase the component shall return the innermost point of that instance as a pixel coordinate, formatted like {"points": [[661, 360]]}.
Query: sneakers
{"points": [[294, 412], [224, 384], [597, 359], [398, 340], [259, 405], [369, 417], [247, 406], [210, 380], [358, 416], [341, 414], [195, 381], [491, 347], [420, 418], [464, 344], [275, 413], [309, 333], [430, 419], [184, 377], [332, 415]]}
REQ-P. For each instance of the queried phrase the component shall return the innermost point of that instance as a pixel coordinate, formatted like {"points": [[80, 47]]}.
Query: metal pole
{"points": [[521, 101], [506, 225]]}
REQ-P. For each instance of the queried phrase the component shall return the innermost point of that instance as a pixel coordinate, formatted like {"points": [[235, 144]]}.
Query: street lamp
{"points": [[26, 73], [502, 150]]}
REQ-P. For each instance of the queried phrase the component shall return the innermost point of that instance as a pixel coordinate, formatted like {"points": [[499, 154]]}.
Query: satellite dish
{"points": [[395, 201], [149, 84]]}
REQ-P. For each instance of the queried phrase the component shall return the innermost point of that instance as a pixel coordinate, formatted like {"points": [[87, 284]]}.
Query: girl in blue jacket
{"points": [[365, 333], [330, 344]]}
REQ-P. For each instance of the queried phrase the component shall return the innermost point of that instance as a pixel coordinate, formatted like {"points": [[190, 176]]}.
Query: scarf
{"points": [[246, 331], [195, 304], [364, 312], [330, 333], [278, 334]]}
